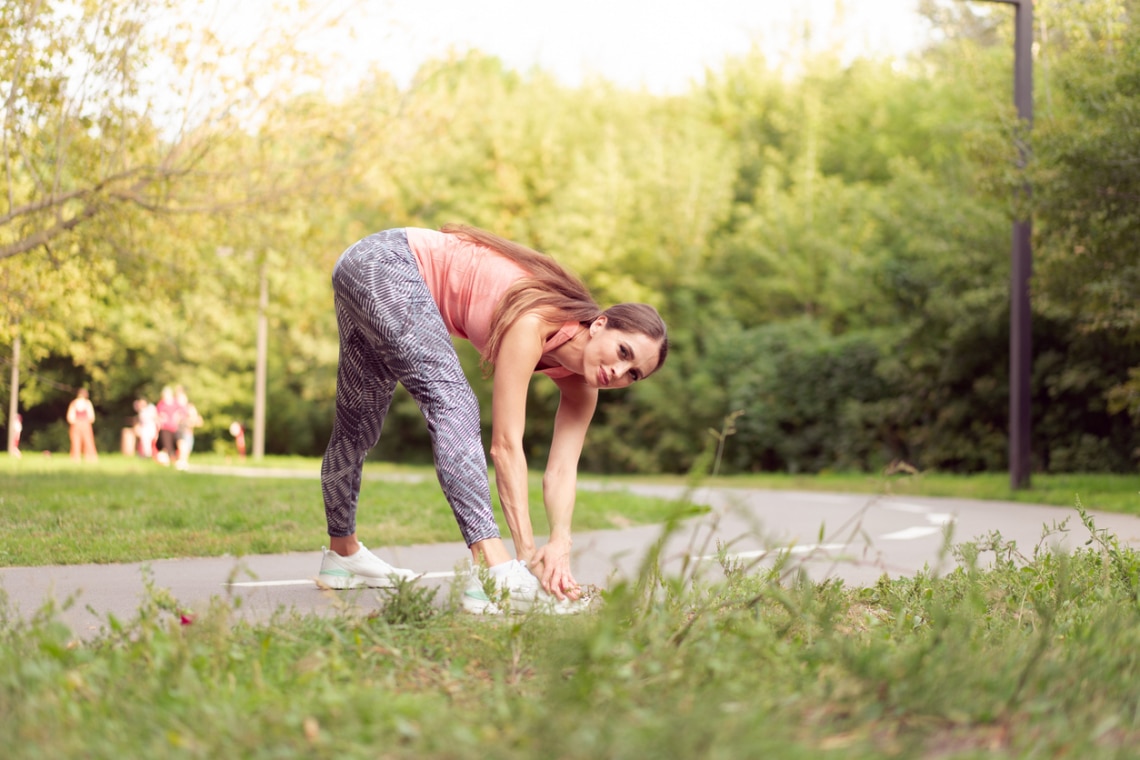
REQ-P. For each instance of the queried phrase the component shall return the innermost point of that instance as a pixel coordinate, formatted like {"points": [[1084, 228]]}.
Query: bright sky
{"points": [[662, 45]]}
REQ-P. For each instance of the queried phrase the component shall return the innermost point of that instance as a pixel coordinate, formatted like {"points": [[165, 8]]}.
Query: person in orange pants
{"points": [[81, 421]]}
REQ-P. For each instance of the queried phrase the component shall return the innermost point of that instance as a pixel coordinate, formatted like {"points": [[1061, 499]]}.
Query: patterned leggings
{"points": [[391, 331]]}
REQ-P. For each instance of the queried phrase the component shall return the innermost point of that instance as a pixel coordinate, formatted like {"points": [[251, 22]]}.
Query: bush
{"points": [[804, 400]]}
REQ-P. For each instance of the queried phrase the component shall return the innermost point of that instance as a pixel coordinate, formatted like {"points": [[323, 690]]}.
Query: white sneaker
{"points": [[361, 569], [517, 591]]}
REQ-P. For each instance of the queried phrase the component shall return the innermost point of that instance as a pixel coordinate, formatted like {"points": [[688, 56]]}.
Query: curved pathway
{"points": [[857, 538]]}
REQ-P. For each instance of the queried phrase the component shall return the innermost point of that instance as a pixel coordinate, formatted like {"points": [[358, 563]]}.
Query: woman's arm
{"points": [[519, 352], [560, 484]]}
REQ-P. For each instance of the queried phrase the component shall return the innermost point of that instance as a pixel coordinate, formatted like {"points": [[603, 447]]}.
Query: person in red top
{"points": [[400, 296], [170, 414], [81, 427]]}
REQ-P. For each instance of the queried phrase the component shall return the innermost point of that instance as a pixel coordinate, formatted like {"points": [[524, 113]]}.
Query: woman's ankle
{"points": [[345, 546], [491, 551]]}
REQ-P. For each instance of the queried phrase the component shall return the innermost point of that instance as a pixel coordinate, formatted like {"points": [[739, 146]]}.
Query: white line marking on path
{"points": [[758, 553], [822, 498], [311, 581], [898, 506], [935, 518], [907, 534]]}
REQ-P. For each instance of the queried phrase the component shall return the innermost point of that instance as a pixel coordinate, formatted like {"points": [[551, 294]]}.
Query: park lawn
{"points": [[1097, 492], [54, 511], [122, 509]]}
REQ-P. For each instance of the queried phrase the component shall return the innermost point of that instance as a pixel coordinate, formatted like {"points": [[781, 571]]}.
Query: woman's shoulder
{"points": [[545, 327]]}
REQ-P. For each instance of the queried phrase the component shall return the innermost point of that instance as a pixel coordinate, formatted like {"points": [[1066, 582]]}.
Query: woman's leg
{"points": [[363, 395], [383, 296], [165, 446]]}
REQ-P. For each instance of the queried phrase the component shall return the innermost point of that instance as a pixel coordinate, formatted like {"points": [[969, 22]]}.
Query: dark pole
{"points": [[260, 370], [1020, 332], [1020, 328]]}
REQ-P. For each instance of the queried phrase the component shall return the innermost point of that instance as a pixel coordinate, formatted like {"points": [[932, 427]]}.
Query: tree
{"points": [[1088, 182], [126, 127]]}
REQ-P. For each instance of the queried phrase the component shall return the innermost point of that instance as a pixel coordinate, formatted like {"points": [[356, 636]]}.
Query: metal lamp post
{"points": [[1020, 333]]}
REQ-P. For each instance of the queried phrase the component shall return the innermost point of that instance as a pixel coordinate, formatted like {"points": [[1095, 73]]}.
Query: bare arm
{"points": [[560, 484], [519, 352]]}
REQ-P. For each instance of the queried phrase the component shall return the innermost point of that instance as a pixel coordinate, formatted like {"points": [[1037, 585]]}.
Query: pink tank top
{"points": [[467, 281]]}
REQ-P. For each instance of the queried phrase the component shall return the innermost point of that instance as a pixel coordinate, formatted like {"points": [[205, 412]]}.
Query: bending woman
{"points": [[400, 295]]}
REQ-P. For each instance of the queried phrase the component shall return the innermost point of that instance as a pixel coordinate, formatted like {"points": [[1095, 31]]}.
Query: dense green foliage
{"points": [[1017, 653], [830, 247]]}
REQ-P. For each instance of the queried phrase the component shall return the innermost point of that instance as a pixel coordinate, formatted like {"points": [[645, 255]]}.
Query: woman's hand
{"points": [[551, 564]]}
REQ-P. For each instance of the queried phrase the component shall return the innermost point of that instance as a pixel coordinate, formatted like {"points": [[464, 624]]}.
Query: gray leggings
{"points": [[391, 331]]}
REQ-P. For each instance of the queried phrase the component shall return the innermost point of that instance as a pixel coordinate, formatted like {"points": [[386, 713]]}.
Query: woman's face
{"points": [[616, 358]]}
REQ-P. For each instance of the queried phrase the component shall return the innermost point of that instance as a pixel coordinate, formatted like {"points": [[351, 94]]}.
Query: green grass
{"points": [[1018, 653], [1098, 492], [54, 511]]}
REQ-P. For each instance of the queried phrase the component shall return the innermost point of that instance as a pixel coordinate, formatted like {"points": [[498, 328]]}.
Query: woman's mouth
{"points": [[603, 378]]}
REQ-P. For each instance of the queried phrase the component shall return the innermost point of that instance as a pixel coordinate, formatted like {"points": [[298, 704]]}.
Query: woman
{"points": [[81, 427], [400, 296], [169, 413], [146, 427], [184, 435]]}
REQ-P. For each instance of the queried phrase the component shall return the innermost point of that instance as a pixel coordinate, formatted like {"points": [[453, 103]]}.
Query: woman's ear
{"points": [[597, 325]]}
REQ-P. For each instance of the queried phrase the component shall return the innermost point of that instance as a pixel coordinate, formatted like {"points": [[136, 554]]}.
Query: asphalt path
{"points": [[856, 538]]}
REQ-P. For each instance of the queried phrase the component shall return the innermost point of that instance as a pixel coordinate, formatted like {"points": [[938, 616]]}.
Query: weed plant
{"points": [[1016, 653]]}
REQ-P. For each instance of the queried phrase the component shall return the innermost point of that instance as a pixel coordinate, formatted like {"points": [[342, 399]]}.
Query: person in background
{"points": [[169, 417], [17, 428], [81, 427], [146, 427], [400, 296], [238, 432], [184, 436]]}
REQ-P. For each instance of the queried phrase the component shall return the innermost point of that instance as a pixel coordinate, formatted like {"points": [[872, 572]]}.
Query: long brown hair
{"points": [[555, 293]]}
